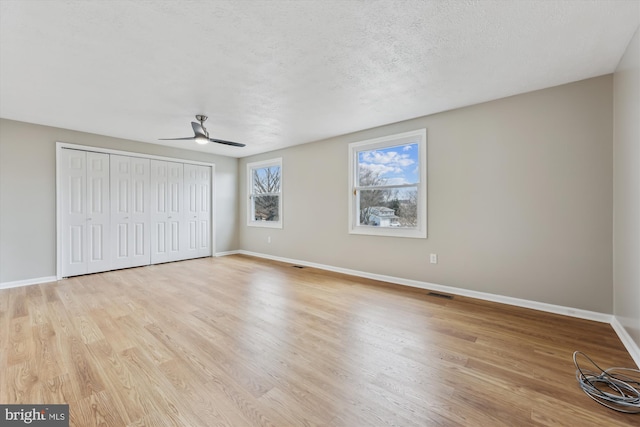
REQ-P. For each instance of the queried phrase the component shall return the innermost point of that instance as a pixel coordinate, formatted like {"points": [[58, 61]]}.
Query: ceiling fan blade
{"points": [[198, 129], [176, 139], [222, 141]]}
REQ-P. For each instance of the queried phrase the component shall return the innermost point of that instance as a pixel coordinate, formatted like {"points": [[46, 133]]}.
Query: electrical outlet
{"points": [[433, 258], [269, 239]]}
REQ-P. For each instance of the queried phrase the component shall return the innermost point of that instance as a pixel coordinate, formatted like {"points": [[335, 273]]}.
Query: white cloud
{"points": [[391, 158]]}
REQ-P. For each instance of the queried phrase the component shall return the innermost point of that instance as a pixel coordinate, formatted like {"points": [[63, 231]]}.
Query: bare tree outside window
{"points": [[371, 197], [266, 193]]}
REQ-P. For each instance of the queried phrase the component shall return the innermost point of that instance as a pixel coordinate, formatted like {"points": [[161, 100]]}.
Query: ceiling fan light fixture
{"points": [[202, 140]]}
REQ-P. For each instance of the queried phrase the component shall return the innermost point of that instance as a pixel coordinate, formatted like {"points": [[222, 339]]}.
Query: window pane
{"points": [[389, 166], [266, 208], [389, 207], [266, 180]]}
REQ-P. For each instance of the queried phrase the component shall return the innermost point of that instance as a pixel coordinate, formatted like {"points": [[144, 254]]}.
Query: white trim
{"points": [[212, 214], [59, 147], [227, 253], [541, 306], [127, 153], [626, 339], [27, 282], [62, 145]]}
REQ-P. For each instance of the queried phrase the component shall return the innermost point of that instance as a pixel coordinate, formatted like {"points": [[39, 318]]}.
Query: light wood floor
{"points": [[238, 341]]}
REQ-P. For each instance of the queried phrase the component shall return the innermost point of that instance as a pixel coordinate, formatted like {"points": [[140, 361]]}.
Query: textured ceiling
{"points": [[278, 73]]}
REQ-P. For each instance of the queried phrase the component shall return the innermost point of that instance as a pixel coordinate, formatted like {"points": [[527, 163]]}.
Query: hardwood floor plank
{"points": [[83, 373], [244, 342], [57, 390], [96, 410], [156, 393], [116, 376], [20, 346], [17, 302], [135, 332], [46, 354], [19, 382]]}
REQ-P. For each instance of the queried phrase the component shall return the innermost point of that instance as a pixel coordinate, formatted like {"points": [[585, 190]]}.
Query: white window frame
{"points": [[251, 222], [417, 136]]}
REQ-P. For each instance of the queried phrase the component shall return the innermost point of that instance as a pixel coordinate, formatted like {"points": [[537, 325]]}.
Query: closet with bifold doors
{"points": [[119, 211]]}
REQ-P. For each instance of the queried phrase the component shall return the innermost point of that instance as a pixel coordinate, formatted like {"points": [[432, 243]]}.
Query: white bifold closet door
{"points": [[130, 231], [119, 211], [197, 207], [84, 191], [167, 213]]}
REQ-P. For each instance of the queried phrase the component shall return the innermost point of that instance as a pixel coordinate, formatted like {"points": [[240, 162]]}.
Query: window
{"points": [[387, 185], [265, 193]]}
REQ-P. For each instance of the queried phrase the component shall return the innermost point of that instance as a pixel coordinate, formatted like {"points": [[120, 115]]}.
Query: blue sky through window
{"points": [[396, 165]]}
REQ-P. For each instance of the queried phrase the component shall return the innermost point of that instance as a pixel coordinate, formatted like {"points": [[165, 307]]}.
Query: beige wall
{"points": [[519, 200], [626, 179], [27, 194]]}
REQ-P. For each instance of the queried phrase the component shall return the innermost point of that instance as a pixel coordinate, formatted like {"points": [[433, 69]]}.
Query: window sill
{"points": [[389, 232], [265, 224]]}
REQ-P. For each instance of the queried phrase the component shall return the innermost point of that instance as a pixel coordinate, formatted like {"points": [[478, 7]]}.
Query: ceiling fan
{"points": [[202, 135]]}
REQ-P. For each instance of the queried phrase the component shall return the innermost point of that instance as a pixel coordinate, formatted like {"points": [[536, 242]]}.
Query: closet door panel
{"points": [[204, 211], [204, 239], [158, 213], [191, 210], [167, 211], [197, 184], [175, 209], [76, 252], [140, 227], [84, 186], [120, 209], [98, 212], [141, 242], [73, 193], [130, 211]]}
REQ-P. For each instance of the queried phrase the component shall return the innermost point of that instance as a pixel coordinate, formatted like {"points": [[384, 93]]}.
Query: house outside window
{"points": [[387, 185], [265, 193]]}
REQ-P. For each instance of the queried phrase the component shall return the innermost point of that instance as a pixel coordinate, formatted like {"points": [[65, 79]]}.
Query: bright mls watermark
{"points": [[34, 415]]}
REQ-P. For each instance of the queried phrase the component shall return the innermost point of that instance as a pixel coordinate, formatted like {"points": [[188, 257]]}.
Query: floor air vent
{"points": [[436, 294], [297, 266]]}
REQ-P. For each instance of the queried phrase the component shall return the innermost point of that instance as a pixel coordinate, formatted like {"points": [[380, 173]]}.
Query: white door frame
{"points": [[65, 145]]}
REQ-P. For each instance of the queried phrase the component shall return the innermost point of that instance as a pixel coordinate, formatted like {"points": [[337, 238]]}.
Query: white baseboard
{"points": [[36, 281], [535, 305], [629, 343], [227, 253]]}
